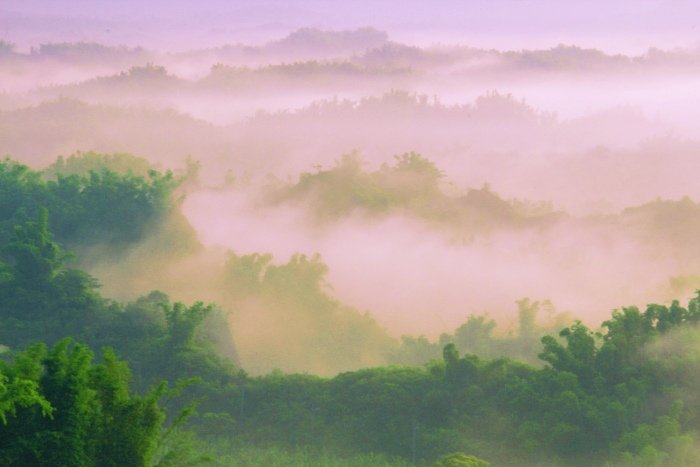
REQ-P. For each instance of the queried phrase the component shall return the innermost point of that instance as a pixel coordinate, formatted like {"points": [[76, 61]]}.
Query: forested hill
{"points": [[624, 395]]}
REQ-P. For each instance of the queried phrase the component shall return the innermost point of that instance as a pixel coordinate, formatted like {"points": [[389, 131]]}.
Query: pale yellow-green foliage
{"points": [[459, 459]]}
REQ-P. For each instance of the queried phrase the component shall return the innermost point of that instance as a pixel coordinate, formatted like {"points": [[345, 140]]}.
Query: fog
{"points": [[560, 158], [420, 278], [628, 25]]}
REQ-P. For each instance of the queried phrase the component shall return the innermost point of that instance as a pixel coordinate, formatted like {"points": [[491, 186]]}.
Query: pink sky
{"points": [[625, 26]]}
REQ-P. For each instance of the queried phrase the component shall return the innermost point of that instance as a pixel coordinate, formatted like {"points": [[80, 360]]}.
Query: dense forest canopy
{"points": [[623, 393], [349, 235]]}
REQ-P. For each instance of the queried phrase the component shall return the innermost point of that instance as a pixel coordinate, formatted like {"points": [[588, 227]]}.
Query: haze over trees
{"points": [[348, 236]]}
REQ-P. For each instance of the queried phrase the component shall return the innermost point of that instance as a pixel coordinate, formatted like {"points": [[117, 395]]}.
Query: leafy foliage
{"points": [[100, 206], [412, 185], [624, 394], [79, 413]]}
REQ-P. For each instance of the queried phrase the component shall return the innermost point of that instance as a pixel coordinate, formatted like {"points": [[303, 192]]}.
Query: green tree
{"points": [[79, 413]]}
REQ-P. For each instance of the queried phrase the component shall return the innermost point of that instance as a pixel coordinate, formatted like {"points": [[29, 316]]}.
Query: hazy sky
{"points": [[629, 26]]}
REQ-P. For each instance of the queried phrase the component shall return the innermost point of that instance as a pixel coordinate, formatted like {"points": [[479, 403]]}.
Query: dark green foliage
{"points": [[65, 410], [251, 455], [625, 394], [85, 209], [183, 322], [39, 297], [42, 300], [601, 396], [83, 414]]}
